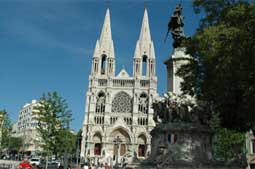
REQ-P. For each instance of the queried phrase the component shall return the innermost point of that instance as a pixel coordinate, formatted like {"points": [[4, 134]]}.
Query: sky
{"points": [[47, 45]]}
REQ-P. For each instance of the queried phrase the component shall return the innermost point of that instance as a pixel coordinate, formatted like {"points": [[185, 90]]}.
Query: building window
{"points": [[103, 64], [128, 120], [100, 104], [99, 120], [97, 149], [141, 146], [97, 139], [122, 103], [143, 104], [144, 66], [142, 121], [141, 150]]}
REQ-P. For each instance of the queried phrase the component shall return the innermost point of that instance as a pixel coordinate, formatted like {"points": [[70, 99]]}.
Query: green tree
{"points": [[223, 71], [66, 142], [227, 144], [53, 117], [15, 143], [5, 130]]}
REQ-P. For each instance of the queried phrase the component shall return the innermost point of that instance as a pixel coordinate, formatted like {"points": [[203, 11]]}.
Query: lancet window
{"points": [[143, 104], [144, 66], [103, 64], [100, 104], [97, 139]]}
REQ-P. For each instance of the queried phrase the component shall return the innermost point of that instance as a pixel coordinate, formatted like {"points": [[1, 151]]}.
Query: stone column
{"points": [[173, 63]]}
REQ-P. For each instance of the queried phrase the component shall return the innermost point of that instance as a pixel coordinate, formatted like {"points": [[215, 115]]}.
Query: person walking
{"points": [[106, 166], [34, 166], [25, 164]]}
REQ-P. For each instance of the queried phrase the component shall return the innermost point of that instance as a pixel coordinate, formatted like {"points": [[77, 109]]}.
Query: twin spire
{"points": [[104, 57], [106, 33]]}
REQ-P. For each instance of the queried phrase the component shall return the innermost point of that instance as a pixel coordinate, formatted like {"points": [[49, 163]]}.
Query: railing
{"points": [[144, 83], [123, 83], [102, 82]]}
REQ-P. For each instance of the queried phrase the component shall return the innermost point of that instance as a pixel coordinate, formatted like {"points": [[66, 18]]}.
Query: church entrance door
{"points": [[122, 147]]}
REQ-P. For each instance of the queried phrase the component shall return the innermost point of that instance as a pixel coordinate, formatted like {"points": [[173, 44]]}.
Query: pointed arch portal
{"points": [[125, 141]]}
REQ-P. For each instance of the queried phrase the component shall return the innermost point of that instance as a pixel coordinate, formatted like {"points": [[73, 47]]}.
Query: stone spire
{"points": [[106, 34], [144, 44], [144, 56], [145, 30], [104, 57]]}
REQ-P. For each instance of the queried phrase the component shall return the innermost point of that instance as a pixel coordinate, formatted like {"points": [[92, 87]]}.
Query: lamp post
{"points": [[117, 142]]}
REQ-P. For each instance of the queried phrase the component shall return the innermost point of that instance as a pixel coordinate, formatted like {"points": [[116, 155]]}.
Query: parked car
{"points": [[35, 161], [54, 162]]}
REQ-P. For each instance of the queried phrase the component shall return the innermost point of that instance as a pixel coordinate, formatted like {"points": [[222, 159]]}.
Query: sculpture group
{"points": [[181, 108]]}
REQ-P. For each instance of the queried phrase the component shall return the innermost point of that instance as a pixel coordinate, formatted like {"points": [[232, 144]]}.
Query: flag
{"points": [[172, 138]]}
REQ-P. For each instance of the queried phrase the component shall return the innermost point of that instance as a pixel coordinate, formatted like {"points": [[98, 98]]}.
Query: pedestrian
{"points": [[34, 166], [69, 167], [60, 167], [25, 164], [85, 166], [106, 166]]}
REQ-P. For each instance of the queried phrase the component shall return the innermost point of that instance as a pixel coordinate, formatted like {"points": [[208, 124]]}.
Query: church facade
{"points": [[118, 114]]}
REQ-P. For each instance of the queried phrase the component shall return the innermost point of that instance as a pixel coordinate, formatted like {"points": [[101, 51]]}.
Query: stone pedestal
{"points": [[181, 142], [183, 146]]}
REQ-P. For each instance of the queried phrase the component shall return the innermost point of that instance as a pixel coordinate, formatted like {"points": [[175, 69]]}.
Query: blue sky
{"points": [[48, 45]]}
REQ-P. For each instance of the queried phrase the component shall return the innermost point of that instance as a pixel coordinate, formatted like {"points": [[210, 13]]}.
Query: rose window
{"points": [[122, 103]]}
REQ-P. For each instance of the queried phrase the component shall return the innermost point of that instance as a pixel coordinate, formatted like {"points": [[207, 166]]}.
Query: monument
{"points": [[182, 137]]}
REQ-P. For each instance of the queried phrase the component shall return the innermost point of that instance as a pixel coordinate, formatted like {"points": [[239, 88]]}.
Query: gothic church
{"points": [[119, 107]]}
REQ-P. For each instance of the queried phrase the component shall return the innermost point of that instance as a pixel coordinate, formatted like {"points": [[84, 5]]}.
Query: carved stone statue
{"points": [[180, 108], [175, 26]]}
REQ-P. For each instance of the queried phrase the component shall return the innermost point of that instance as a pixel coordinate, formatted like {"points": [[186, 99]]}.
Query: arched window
{"points": [[144, 66], [97, 139], [100, 104], [103, 64], [122, 103], [141, 146], [143, 104]]}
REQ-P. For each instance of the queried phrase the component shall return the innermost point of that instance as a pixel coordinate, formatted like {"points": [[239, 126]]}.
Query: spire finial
{"points": [[106, 33], [108, 4], [145, 30], [145, 4]]}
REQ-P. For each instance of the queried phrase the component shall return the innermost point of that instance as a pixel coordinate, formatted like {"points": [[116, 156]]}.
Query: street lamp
{"points": [[117, 142]]}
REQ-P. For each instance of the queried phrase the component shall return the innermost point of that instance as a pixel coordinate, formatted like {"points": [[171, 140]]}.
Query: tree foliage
{"points": [[53, 117], [66, 142], [15, 143], [8, 142], [223, 72], [5, 129], [227, 144]]}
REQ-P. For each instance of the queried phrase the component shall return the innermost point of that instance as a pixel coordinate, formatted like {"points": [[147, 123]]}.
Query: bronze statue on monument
{"points": [[175, 26]]}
